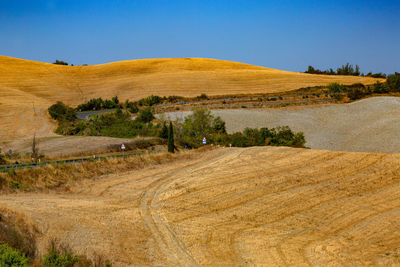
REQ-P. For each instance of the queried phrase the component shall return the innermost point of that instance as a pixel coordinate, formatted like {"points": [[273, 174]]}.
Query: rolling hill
{"points": [[28, 88]]}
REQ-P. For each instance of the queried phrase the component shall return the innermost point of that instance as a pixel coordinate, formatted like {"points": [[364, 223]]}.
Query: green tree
{"points": [[198, 124], [219, 125], [145, 115], [171, 145], [60, 62], [164, 132], [108, 104], [60, 111], [393, 82], [115, 100]]}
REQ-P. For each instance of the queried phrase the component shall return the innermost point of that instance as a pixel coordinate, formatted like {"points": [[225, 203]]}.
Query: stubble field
{"points": [[261, 206]]}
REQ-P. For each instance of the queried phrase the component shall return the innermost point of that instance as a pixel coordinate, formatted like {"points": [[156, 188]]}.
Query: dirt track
{"points": [[368, 125], [266, 206]]}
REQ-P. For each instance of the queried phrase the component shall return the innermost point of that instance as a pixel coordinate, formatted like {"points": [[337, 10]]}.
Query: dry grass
{"points": [[62, 177], [260, 206], [18, 231], [28, 86], [62, 147]]}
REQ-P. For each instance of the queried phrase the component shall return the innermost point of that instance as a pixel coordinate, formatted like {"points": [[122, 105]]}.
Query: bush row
{"points": [[358, 90], [347, 69], [202, 124]]}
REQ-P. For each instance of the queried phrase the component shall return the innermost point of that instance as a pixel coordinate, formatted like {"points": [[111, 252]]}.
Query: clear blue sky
{"points": [[287, 35]]}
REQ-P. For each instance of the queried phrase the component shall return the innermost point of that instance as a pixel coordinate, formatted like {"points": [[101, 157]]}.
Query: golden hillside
{"points": [[29, 87]]}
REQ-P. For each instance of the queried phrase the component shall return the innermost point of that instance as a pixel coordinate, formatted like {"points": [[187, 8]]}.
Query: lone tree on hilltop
{"points": [[171, 146]]}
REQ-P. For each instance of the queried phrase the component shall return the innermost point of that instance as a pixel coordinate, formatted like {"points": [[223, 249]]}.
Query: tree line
{"points": [[358, 90], [188, 133], [347, 69]]}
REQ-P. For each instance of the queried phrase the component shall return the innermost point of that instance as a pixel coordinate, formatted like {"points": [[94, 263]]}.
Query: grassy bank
{"points": [[61, 177]]}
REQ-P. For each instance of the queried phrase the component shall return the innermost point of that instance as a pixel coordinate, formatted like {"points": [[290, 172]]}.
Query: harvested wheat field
{"points": [[260, 206], [368, 125], [28, 88]]}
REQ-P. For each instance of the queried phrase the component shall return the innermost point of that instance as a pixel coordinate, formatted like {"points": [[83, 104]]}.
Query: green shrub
{"points": [[164, 132], [150, 100], [145, 115], [357, 93], [59, 256], [60, 111], [92, 104], [202, 97], [54, 259], [393, 82], [15, 185], [11, 257], [108, 104], [11, 172], [131, 106], [115, 100], [336, 88], [2, 159], [380, 88], [174, 99], [218, 125], [60, 62]]}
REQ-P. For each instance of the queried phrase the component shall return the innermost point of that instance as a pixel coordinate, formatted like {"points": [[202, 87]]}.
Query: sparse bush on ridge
{"points": [[60, 62]]}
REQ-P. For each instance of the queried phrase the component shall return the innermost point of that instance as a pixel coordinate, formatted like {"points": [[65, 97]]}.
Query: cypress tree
{"points": [[171, 146]]}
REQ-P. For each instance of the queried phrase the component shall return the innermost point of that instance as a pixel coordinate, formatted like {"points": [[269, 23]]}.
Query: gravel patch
{"points": [[369, 125]]}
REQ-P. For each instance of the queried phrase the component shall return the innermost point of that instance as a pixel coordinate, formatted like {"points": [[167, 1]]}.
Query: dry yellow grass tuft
{"points": [[28, 88]]}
